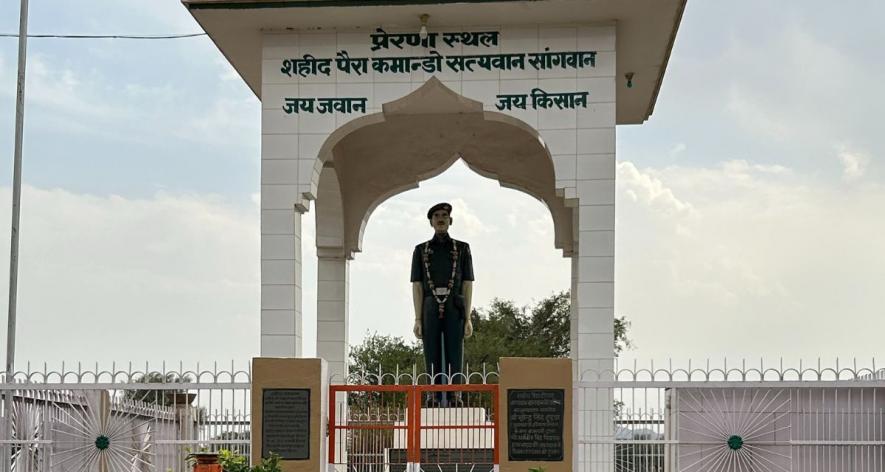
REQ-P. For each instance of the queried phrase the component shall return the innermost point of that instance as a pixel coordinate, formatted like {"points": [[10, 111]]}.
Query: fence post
{"points": [[414, 429], [496, 417], [332, 423]]}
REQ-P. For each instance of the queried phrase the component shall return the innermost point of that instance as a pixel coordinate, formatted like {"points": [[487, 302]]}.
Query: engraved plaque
{"points": [[535, 423], [285, 423]]}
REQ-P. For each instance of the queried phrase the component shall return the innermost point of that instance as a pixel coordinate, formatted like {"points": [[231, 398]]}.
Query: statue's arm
{"points": [[467, 290], [418, 302]]}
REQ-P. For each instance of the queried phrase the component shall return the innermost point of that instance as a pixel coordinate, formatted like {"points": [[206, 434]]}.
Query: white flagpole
{"points": [[16, 217]]}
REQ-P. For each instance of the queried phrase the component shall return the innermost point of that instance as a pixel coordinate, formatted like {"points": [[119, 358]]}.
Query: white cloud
{"points": [[790, 77], [468, 219], [226, 123], [737, 260], [510, 235], [67, 100], [781, 92], [645, 187], [743, 258], [755, 115], [228, 73], [176, 276], [111, 278], [59, 88], [676, 150], [770, 263], [854, 165]]}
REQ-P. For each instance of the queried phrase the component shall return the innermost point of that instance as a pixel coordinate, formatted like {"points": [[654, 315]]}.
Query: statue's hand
{"points": [[468, 329], [417, 329]]}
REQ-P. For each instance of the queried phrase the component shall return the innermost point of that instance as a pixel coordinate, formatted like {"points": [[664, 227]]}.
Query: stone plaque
{"points": [[285, 423], [535, 423]]}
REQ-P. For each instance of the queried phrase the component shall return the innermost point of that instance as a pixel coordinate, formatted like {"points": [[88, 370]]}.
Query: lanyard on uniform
{"points": [[426, 258]]}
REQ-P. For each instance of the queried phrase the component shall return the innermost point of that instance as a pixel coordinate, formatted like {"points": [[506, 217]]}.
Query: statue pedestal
{"points": [[464, 436], [459, 429]]}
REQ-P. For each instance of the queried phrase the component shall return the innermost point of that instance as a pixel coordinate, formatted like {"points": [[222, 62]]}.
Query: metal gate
{"points": [[399, 428]]}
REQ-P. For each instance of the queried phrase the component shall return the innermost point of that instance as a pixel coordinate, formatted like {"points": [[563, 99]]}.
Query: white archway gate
{"points": [[372, 158], [332, 76], [349, 141], [532, 106]]}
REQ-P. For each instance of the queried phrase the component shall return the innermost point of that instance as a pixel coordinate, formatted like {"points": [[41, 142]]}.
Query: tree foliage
{"points": [[385, 354], [157, 397], [505, 330], [501, 330], [622, 342]]}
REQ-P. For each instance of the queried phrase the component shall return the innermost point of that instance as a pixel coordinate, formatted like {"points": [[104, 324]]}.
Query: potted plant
{"points": [[204, 461]]}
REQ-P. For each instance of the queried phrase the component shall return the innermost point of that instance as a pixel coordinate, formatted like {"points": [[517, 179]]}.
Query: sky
{"points": [[750, 206]]}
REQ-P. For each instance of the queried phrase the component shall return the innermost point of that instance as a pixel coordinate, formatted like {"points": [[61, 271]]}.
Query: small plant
{"points": [[269, 464], [536, 469], [233, 462], [190, 459]]}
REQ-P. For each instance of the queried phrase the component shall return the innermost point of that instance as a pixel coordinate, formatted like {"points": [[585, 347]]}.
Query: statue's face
{"points": [[440, 220]]}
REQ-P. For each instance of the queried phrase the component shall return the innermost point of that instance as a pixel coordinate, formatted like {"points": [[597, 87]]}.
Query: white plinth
{"points": [[466, 436]]}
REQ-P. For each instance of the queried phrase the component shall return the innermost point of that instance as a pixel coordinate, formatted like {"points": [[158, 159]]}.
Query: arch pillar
{"points": [[281, 257], [332, 275], [332, 312], [593, 296], [281, 330], [333, 287], [593, 266]]}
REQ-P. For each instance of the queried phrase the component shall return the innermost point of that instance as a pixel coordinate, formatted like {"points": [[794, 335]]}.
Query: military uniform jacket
{"points": [[440, 259]]}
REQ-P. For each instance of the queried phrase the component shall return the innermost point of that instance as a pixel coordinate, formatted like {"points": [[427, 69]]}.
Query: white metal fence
{"points": [[734, 418], [128, 420], [725, 417]]}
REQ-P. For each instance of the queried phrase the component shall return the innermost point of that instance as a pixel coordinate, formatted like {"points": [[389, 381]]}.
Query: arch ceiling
{"points": [[418, 137]]}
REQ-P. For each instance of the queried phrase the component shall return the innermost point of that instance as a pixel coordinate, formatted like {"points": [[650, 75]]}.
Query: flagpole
{"points": [[16, 217]]}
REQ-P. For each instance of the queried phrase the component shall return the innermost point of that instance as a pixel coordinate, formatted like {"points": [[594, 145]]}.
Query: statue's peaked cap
{"points": [[439, 206]]}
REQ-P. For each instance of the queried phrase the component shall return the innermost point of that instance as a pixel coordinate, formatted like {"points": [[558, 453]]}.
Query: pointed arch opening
{"points": [[372, 158]]}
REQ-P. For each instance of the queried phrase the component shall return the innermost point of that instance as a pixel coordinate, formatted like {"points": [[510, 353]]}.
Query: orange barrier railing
{"points": [[409, 418]]}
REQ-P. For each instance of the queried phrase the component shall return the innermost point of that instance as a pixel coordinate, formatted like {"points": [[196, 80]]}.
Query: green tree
{"points": [[550, 325], [157, 397], [501, 330], [385, 354], [622, 342], [166, 397]]}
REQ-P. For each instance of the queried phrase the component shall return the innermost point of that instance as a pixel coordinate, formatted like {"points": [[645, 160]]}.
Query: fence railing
{"points": [[708, 416], [721, 416], [411, 375], [122, 419]]}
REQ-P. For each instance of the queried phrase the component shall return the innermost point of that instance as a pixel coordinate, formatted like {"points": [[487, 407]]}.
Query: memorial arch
{"points": [[527, 92], [415, 138], [362, 100]]}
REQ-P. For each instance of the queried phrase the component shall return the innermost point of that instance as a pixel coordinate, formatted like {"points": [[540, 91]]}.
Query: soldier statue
{"points": [[442, 288]]}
